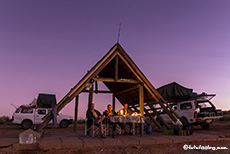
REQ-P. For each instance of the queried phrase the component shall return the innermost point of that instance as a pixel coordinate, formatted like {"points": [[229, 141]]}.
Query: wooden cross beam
{"points": [[113, 80], [98, 91]]}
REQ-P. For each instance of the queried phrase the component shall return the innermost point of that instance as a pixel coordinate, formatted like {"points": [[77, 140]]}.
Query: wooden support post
{"points": [[141, 100], [114, 101], [141, 104], [76, 113], [116, 69], [96, 87], [90, 100]]}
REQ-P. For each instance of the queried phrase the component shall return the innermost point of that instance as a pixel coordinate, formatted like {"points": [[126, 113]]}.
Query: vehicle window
{"points": [[186, 106], [18, 110], [174, 106], [41, 111], [29, 110], [204, 104]]}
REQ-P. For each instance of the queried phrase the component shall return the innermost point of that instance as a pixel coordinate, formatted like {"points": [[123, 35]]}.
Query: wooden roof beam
{"points": [[99, 91], [127, 90], [113, 80], [116, 69]]}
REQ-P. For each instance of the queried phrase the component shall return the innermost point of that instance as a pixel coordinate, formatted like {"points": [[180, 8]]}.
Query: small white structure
{"points": [[29, 137]]}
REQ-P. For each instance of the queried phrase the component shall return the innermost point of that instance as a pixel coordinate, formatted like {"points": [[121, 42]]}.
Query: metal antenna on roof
{"points": [[118, 37]]}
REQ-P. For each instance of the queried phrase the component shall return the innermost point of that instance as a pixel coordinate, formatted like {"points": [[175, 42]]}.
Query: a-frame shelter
{"points": [[125, 81]]}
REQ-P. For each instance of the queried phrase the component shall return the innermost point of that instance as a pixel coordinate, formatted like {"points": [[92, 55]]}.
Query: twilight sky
{"points": [[47, 46]]}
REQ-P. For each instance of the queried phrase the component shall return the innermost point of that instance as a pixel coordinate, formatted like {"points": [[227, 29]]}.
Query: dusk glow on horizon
{"points": [[48, 46]]}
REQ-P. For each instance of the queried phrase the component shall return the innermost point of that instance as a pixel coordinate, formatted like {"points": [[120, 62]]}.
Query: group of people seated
{"points": [[96, 118]]}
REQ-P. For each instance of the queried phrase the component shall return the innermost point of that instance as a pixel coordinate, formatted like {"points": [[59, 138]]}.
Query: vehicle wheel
{"points": [[64, 124], [26, 124], [206, 125]]}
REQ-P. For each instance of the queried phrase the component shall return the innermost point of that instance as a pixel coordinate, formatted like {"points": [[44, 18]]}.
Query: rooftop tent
{"points": [[175, 91], [46, 100]]}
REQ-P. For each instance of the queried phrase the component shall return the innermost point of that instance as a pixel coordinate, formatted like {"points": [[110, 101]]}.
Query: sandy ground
{"points": [[155, 149], [219, 128]]}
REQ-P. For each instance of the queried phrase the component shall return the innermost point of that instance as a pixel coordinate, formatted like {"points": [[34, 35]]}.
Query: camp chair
{"points": [[94, 128], [106, 127]]}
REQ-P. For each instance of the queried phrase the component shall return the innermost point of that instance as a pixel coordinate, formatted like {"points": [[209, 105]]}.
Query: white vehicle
{"points": [[198, 111], [26, 117]]}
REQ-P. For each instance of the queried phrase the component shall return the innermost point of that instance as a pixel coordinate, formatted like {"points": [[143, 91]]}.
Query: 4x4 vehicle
{"points": [[199, 111], [26, 117]]}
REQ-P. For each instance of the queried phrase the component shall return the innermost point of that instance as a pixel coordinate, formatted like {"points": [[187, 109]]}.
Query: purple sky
{"points": [[48, 46]]}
